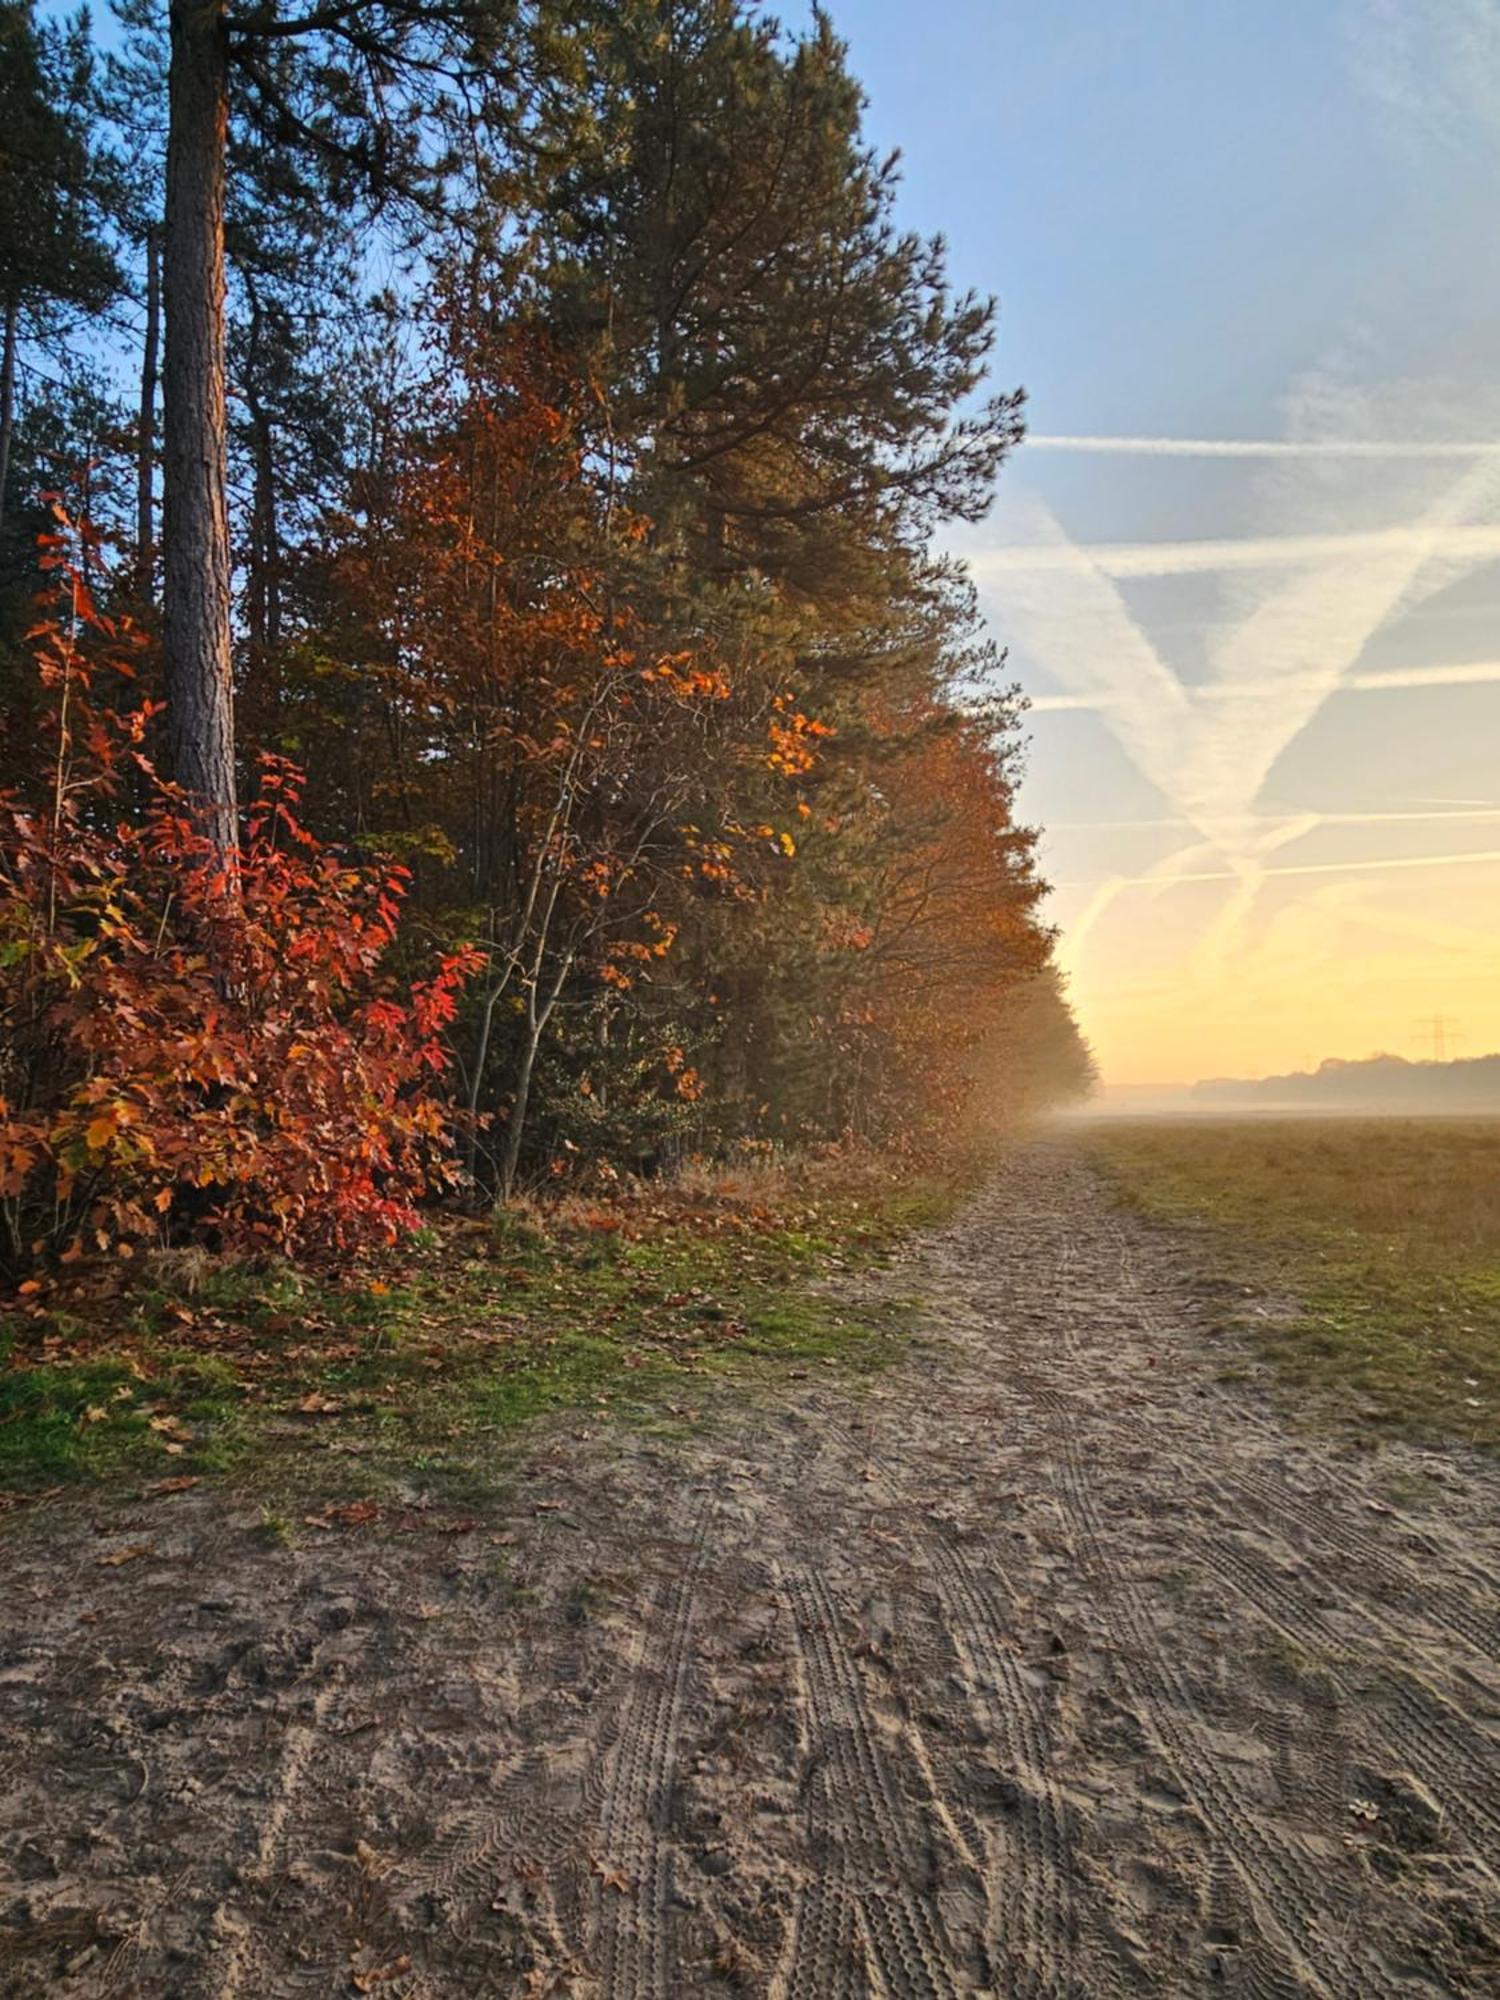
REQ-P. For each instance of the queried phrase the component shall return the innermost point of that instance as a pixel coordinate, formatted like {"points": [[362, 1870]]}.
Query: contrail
{"points": [[1118, 882], [1322, 818], [1464, 673], [1169, 447], [1128, 559]]}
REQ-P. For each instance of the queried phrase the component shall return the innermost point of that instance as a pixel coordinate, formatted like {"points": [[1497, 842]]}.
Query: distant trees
{"points": [[555, 424]]}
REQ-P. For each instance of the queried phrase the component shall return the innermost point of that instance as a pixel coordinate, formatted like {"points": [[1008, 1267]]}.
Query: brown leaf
{"points": [[128, 1554], [366, 1982], [348, 1514], [179, 1484]]}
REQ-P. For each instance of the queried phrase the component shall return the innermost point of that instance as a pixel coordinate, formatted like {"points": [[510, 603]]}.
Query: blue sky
{"points": [[1268, 704]]}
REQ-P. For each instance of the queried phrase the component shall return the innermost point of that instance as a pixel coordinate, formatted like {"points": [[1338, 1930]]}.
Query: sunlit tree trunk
{"points": [[195, 522]]}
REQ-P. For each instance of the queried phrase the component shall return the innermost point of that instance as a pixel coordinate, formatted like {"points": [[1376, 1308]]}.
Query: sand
{"points": [[1047, 1663]]}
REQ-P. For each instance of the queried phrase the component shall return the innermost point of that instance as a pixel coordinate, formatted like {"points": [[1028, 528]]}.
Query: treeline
{"points": [[1377, 1083], [505, 440]]}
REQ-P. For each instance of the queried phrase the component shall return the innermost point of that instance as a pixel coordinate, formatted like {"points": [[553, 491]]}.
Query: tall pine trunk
{"points": [[195, 519], [8, 394], [145, 446]]}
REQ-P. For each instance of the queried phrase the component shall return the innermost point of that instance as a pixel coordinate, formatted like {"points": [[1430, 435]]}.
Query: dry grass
{"points": [[1387, 1230]]}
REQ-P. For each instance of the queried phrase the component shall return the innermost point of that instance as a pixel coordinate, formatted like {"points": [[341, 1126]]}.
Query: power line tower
{"points": [[1443, 1034]]}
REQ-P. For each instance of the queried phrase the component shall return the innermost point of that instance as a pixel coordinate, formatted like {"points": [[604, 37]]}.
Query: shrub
{"points": [[197, 1047]]}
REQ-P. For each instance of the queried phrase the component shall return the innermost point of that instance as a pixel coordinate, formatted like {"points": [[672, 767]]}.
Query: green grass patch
{"points": [[1385, 1232], [419, 1374]]}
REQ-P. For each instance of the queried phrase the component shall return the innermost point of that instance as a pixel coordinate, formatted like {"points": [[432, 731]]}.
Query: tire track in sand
{"points": [[871, 1836], [1031, 1914], [1031, 1923], [1433, 1742], [1276, 1875], [634, 1921], [1342, 1543]]}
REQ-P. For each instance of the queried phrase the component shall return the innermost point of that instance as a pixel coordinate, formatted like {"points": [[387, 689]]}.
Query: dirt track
{"points": [[1048, 1665]]}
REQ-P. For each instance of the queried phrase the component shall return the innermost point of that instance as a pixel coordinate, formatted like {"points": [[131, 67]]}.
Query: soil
{"points": [[1048, 1663]]}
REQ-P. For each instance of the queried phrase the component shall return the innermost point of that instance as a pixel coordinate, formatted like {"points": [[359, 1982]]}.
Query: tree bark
{"points": [[8, 395], [145, 446], [195, 519]]}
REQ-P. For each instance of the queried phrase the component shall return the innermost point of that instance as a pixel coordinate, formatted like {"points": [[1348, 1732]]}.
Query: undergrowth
{"points": [[419, 1372]]}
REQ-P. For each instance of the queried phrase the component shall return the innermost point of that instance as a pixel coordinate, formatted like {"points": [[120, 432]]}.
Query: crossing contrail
{"points": [[1127, 559], [1485, 858], [1465, 673]]}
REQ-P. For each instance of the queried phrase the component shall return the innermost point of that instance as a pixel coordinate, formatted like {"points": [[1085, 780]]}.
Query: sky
{"points": [[1265, 680]]}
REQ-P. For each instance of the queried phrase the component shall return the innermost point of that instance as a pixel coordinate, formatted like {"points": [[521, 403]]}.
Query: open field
{"points": [[1370, 1248]]}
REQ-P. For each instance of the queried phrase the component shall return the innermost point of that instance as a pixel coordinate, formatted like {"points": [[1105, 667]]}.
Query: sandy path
{"points": [[1050, 1665]]}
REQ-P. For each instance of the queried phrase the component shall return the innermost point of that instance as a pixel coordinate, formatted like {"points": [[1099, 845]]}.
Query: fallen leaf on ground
{"points": [[349, 1514], [128, 1555], [179, 1484], [314, 1405], [8, 1500], [366, 1982]]}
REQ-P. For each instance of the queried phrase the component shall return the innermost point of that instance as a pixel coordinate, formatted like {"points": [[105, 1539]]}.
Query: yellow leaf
{"points": [[101, 1131]]}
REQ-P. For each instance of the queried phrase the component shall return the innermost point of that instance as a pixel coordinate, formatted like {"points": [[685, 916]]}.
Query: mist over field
{"points": [[1388, 1084]]}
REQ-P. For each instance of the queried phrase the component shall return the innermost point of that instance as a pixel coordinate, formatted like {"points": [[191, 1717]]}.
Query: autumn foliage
{"points": [[634, 779], [194, 1047]]}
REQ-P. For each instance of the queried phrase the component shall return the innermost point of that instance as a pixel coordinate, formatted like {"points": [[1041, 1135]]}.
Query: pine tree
{"points": [[369, 91]]}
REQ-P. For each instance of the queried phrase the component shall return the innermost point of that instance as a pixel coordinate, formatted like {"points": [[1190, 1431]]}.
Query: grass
{"points": [[1385, 1232], [420, 1373]]}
